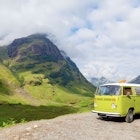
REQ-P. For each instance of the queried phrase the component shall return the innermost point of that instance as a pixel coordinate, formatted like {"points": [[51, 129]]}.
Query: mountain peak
{"points": [[34, 45], [37, 35], [136, 80]]}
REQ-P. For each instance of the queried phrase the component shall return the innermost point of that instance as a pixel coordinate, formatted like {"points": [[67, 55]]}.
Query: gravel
{"points": [[84, 126]]}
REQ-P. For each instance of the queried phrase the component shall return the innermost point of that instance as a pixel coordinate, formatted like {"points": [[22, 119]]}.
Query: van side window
{"points": [[137, 90], [127, 90]]}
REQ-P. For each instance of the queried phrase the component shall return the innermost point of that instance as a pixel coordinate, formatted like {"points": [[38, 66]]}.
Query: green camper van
{"points": [[117, 100]]}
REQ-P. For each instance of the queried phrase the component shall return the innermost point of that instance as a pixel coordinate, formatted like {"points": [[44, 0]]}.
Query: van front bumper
{"points": [[107, 114]]}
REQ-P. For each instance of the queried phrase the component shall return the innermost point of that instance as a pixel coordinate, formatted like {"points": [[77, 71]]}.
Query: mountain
{"points": [[136, 80], [99, 81], [34, 70]]}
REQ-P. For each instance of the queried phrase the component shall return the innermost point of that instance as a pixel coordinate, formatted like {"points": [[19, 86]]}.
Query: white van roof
{"points": [[122, 84]]}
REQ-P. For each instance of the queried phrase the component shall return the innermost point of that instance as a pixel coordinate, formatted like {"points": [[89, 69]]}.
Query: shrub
{"points": [[8, 122]]}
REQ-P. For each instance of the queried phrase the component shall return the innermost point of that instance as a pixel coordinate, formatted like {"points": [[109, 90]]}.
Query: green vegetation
{"points": [[10, 114]]}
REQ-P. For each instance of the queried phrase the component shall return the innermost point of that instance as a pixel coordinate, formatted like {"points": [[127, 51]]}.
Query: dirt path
{"points": [[85, 126]]}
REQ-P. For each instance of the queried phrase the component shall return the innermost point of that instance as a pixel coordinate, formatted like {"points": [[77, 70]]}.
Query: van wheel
{"points": [[129, 117]]}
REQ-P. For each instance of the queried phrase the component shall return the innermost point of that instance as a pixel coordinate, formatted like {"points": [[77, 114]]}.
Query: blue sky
{"points": [[100, 36]]}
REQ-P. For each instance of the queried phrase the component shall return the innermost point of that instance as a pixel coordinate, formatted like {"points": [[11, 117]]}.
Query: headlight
{"points": [[95, 104], [114, 106]]}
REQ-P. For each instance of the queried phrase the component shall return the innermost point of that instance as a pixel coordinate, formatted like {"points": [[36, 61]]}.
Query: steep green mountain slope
{"points": [[9, 87], [34, 71]]}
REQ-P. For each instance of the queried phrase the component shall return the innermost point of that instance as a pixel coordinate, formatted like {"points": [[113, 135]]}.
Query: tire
{"points": [[130, 116]]}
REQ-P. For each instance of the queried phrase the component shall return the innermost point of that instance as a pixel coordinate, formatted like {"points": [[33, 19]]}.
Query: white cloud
{"points": [[101, 36]]}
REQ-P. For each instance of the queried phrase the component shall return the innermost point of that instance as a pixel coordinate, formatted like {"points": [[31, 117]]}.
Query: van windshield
{"points": [[109, 90]]}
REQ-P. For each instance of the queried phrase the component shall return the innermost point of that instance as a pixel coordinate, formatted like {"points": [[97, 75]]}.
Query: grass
{"points": [[8, 82], [13, 99], [11, 114], [7, 75], [56, 94]]}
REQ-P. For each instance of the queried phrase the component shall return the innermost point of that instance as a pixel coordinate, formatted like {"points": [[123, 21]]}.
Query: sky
{"points": [[101, 36]]}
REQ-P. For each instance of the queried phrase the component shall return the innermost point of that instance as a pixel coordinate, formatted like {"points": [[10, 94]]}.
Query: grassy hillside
{"points": [[37, 99], [36, 87]]}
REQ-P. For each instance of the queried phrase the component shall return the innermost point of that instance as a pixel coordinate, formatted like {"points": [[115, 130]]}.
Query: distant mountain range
{"points": [[99, 81]]}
